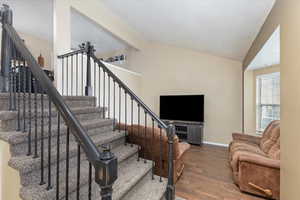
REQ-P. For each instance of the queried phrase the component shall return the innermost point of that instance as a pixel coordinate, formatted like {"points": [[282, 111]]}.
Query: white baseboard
{"points": [[216, 144]]}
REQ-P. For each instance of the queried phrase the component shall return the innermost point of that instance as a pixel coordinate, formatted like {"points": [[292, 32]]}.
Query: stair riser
{"points": [[71, 102], [34, 176], [11, 124], [18, 150]]}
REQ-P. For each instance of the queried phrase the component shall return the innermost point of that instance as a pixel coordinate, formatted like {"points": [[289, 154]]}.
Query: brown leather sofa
{"points": [[154, 144], [255, 162]]}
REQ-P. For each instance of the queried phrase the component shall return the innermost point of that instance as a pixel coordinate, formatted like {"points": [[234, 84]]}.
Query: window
{"points": [[267, 99]]}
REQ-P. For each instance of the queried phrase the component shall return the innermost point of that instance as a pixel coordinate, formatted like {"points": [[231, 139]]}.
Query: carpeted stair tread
{"points": [[17, 137], [129, 166], [9, 115], [71, 101], [33, 178], [27, 163], [129, 174], [148, 189]]}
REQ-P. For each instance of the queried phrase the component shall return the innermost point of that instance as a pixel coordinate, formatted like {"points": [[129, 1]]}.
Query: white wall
{"points": [[171, 70]]}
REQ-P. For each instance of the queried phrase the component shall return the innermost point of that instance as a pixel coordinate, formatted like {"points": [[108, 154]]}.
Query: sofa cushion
{"points": [[270, 136], [274, 152]]}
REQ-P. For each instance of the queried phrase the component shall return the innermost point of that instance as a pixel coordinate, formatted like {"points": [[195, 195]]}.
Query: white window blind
{"points": [[267, 99]]}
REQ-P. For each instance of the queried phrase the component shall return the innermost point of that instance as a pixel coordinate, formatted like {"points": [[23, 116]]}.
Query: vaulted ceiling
{"points": [[220, 27]]}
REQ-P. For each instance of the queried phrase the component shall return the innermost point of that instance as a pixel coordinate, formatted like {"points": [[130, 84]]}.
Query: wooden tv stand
{"points": [[191, 132]]}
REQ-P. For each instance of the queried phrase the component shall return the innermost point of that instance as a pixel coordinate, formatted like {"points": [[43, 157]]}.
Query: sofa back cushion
{"points": [[274, 152], [270, 136]]}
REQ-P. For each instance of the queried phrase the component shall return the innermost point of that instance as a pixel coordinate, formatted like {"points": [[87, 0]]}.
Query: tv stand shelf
{"points": [[190, 132]]}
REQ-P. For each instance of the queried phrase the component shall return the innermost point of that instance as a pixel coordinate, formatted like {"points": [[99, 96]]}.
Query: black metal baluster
{"points": [[125, 111], [29, 112], [19, 92], [77, 80], [49, 144], [120, 108], [160, 154], [99, 72], [72, 75], [108, 96], [152, 144], [82, 74], [35, 84], [67, 163], [145, 137], [24, 96], [95, 78], [57, 155], [90, 182], [139, 122], [114, 105], [78, 172], [62, 75], [67, 78], [104, 93], [42, 139], [14, 107], [10, 86], [14, 81], [126, 139], [131, 114]]}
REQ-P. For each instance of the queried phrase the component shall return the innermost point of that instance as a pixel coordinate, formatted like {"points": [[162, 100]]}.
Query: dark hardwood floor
{"points": [[207, 176]]}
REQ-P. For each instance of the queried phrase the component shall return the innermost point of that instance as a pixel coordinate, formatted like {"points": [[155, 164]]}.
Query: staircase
{"points": [[66, 145], [135, 177]]}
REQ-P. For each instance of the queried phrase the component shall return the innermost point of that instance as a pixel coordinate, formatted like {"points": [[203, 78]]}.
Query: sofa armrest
{"points": [[259, 160], [246, 138]]}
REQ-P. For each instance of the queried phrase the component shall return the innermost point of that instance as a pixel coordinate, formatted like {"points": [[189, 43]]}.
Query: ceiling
{"points": [[269, 55], [83, 29], [221, 27], [33, 17]]}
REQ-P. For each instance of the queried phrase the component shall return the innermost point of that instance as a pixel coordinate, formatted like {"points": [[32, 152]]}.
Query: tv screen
{"points": [[182, 108]]}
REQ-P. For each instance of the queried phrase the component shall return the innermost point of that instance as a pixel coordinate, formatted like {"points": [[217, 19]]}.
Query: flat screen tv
{"points": [[182, 108]]}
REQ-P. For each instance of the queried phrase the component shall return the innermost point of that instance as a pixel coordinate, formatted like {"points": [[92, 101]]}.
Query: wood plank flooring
{"points": [[207, 176]]}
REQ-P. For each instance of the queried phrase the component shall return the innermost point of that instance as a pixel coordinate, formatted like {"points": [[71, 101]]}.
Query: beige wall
{"points": [[10, 180], [99, 13], [249, 102], [286, 13], [290, 98], [171, 70], [250, 96]]}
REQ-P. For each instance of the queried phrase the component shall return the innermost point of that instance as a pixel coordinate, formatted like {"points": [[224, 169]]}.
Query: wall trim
{"points": [[216, 144]]}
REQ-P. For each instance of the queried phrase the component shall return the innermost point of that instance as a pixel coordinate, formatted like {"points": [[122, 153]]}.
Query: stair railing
{"points": [[84, 74], [28, 86]]}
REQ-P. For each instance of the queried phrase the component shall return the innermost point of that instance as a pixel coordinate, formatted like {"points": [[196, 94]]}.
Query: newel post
{"points": [[106, 172], [6, 52], [88, 87], [170, 194]]}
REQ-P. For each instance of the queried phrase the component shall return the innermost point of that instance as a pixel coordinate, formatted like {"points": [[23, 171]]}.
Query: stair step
{"points": [[40, 192], [148, 189], [19, 140], [129, 174], [122, 152], [26, 164], [8, 119], [71, 101]]}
